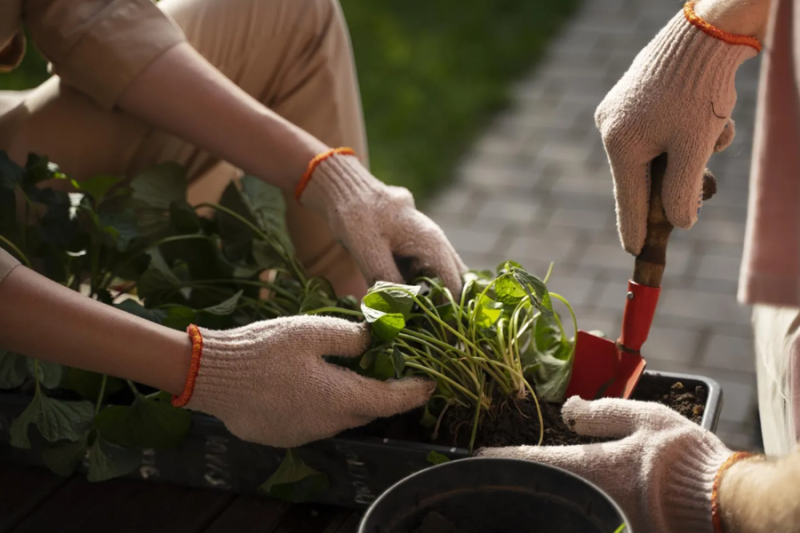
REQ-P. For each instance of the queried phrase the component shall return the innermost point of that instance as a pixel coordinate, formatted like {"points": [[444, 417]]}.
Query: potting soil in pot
{"points": [[517, 423]]}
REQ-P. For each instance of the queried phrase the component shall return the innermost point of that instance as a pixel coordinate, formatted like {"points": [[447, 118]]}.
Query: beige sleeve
{"points": [[7, 264], [12, 38], [100, 46]]}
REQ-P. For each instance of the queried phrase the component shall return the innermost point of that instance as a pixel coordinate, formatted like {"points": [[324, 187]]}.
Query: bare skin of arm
{"points": [[53, 323], [182, 94]]}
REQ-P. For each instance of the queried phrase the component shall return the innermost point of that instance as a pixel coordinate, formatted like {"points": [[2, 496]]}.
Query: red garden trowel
{"points": [[603, 368]]}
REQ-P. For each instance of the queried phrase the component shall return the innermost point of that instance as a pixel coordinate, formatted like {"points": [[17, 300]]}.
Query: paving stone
{"points": [[672, 343], [704, 307], [719, 267], [594, 220], [541, 248], [738, 400], [518, 210]]}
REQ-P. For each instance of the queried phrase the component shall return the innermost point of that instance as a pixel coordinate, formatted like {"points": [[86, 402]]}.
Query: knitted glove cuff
{"points": [[336, 178], [689, 495], [695, 54]]}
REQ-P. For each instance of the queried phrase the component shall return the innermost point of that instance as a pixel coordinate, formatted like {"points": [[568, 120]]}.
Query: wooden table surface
{"points": [[34, 500]]}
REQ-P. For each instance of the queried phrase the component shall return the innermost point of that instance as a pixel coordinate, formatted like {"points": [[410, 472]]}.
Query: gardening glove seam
{"points": [[377, 222], [677, 97]]}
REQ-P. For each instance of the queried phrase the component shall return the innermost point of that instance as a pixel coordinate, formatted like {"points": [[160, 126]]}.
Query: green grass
{"points": [[431, 72]]}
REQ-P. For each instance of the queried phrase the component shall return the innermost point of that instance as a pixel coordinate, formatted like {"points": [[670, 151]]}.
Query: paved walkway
{"points": [[537, 188]]}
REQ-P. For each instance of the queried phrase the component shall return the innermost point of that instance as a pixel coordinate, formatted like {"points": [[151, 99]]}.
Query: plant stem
{"points": [[101, 394], [476, 420], [133, 388], [338, 310], [441, 376], [17, 251], [36, 376]]}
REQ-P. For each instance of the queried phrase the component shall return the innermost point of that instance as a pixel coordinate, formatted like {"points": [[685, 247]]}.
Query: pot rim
{"points": [[385, 495]]}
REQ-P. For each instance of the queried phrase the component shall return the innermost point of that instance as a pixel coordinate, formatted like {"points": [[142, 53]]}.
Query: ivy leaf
{"points": [[107, 461], [226, 307], [148, 423], [13, 370], [88, 384], [487, 312], [10, 173], [153, 192], [56, 420], [135, 308], [50, 374], [436, 458], [120, 226], [179, 317], [294, 481], [62, 457], [97, 186], [184, 218]]}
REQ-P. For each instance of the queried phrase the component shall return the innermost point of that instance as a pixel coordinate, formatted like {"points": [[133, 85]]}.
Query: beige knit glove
{"points": [[662, 472], [677, 97], [269, 384], [379, 224]]}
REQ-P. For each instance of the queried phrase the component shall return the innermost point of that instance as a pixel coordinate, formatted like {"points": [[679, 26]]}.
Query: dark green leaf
{"points": [[8, 210], [56, 420], [428, 420], [551, 374], [184, 218], [536, 290], [269, 210], [107, 461], [385, 326], [50, 374], [39, 168], [120, 226], [226, 307], [88, 384], [159, 186], [487, 312], [179, 317], [436, 458], [294, 481], [135, 308], [97, 186], [158, 278], [398, 362], [148, 423], [391, 298], [10, 172], [13, 370], [62, 457], [508, 290]]}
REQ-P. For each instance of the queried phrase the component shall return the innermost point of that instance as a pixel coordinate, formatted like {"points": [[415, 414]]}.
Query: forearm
{"points": [[183, 94], [761, 496], [742, 17], [45, 320]]}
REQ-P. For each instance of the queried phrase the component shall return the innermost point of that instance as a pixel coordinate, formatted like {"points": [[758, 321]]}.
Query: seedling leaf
{"points": [[107, 460], [56, 420], [88, 384], [13, 370], [62, 457], [226, 307], [147, 423], [50, 374], [436, 458], [294, 481]]}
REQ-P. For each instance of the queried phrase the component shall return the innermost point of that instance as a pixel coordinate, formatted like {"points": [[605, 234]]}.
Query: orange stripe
{"points": [[312, 165], [194, 367], [730, 38], [716, 518]]}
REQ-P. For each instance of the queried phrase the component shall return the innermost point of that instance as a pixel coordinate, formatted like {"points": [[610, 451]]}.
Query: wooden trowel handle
{"points": [[650, 263]]}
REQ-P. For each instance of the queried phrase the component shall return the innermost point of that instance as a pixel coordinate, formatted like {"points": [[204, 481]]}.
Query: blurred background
{"points": [[484, 109]]}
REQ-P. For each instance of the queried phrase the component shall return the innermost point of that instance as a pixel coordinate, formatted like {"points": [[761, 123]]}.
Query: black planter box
{"points": [[358, 469]]}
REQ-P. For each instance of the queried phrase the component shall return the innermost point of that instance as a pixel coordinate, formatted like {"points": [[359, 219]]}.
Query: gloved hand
{"points": [[677, 97], [269, 384], [378, 223], [662, 472]]}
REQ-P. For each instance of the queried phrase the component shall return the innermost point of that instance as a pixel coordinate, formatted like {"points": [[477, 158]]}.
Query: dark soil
{"points": [[517, 423]]}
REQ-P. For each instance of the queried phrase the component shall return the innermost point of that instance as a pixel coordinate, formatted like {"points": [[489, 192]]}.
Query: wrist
{"points": [[740, 17], [334, 178]]}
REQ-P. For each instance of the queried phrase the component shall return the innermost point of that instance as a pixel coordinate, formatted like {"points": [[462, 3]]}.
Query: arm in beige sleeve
{"points": [[761, 496], [741, 17], [53, 323]]}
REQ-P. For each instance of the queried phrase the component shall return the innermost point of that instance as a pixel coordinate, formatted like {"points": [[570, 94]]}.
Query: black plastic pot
{"points": [[482, 495], [358, 469]]}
